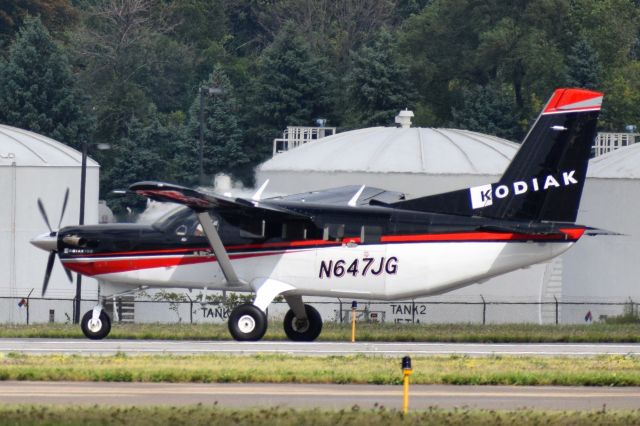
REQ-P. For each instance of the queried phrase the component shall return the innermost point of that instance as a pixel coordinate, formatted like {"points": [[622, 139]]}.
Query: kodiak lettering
{"points": [[483, 196]]}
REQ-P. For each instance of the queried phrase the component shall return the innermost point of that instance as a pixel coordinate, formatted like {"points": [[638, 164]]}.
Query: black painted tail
{"points": [[545, 179]]}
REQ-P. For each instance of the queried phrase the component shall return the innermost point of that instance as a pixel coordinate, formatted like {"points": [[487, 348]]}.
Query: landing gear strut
{"points": [[247, 323], [95, 326], [303, 330]]}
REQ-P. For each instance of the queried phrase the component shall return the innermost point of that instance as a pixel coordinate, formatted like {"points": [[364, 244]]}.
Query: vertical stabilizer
{"points": [[545, 179]]}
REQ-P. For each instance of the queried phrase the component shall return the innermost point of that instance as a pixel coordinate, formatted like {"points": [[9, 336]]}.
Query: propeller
{"points": [[49, 242]]}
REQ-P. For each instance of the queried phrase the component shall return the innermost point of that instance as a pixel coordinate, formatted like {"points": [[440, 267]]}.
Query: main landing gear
{"points": [[302, 323], [96, 324], [303, 329]]}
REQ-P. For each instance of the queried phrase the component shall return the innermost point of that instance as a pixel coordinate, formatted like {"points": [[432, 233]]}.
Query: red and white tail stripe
{"points": [[573, 100]]}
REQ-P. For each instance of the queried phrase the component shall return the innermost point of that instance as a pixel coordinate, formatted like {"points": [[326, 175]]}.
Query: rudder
{"points": [[544, 181]]}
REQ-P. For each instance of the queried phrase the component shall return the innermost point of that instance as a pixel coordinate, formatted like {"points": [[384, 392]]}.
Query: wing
{"points": [[341, 196], [201, 201]]}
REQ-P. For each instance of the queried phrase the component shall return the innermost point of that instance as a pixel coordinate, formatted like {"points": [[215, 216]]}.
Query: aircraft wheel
{"points": [[95, 330], [247, 323], [303, 330]]}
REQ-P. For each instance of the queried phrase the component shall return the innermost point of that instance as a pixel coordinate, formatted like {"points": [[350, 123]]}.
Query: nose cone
{"points": [[46, 242]]}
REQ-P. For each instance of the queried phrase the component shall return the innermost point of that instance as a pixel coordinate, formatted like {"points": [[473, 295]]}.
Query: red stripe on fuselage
{"points": [[108, 264], [190, 250], [564, 235], [571, 233], [112, 266]]}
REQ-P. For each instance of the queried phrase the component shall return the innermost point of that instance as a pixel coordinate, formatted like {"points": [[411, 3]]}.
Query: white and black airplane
{"points": [[356, 242]]}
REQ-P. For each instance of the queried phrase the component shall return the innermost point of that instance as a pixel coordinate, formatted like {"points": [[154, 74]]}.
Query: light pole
{"points": [[83, 185], [211, 91], [83, 179]]}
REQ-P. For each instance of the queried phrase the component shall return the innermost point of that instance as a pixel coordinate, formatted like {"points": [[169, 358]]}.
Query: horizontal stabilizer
{"points": [[594, 232]]}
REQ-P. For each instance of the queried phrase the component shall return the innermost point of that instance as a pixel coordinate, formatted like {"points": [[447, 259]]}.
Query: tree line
{"points": [[129, 73]]}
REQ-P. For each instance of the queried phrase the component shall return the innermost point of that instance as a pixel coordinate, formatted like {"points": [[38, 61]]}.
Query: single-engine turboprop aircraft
{"points": [[357, 242]]}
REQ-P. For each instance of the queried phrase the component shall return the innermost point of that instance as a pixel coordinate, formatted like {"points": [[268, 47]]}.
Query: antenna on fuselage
{"points": [[256, 197], [352, 202]]}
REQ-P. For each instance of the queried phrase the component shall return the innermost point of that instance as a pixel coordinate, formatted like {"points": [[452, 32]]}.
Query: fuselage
{"points": [[364, 252]]}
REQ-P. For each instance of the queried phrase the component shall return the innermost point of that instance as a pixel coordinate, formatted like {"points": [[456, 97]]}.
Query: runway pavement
{"points": [[320, 396], [149, 347]]}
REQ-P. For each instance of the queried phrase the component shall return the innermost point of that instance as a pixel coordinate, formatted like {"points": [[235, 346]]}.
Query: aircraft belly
{"points": [[393, 271], [380, 271], [205, 273], [428, 269], [293, 266]]}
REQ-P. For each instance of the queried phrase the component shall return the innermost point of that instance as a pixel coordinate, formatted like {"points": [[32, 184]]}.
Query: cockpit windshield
{"points": [[181, 215], [183, 222]]}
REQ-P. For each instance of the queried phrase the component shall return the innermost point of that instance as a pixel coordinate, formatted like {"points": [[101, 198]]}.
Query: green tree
{"points": [[147, 152], [609, 26], [333, 28], [292, 87], [621, 105], [406, 8], [37, 88], [223, 139], [56, 16], [583, 67], [454, 44], [202, 25], [129, 62], [489, 109], [377, 86]]}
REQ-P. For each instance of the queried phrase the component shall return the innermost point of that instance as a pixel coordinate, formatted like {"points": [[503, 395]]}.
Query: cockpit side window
{"points": [[181, 231], [184, 223]]}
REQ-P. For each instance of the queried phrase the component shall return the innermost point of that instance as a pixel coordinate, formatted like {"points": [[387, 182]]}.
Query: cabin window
{"points": [[370, 234], [333, 232], [294, 231], [253, 229]]}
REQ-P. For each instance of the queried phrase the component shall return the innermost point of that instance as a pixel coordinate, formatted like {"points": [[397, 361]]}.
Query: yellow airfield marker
{"points": [[406, 372], [354, 305]]}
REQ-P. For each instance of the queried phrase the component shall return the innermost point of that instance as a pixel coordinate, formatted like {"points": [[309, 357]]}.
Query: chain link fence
{"points": [[140, 310]]}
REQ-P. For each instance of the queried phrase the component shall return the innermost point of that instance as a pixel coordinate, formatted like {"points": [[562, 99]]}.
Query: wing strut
{"points": [[218, 248]]}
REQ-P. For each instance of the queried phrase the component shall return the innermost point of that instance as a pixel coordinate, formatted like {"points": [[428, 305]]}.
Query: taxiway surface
{"points": [[319, 396], [150, 347]]}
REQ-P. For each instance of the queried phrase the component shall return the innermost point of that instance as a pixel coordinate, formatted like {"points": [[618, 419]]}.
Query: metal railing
{"points": [[483, 311], [294, 136], [609, 141]]}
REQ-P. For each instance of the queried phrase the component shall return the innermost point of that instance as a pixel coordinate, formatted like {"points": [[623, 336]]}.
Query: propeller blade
{"points": [[44, 214], [47, 274], [68, 273], [64, 207]]}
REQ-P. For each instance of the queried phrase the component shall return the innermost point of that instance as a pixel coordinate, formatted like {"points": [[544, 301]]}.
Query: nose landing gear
{"points": [[96, 324], [247, 323]]}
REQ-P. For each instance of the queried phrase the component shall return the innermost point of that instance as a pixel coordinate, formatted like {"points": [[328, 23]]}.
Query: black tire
{"points": [[247, 323], [303, 331], [97, 331]]}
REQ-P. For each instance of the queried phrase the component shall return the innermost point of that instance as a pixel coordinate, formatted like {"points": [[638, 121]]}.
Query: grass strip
{"points": [[212, 415], [272, 368], [493, 333]]}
